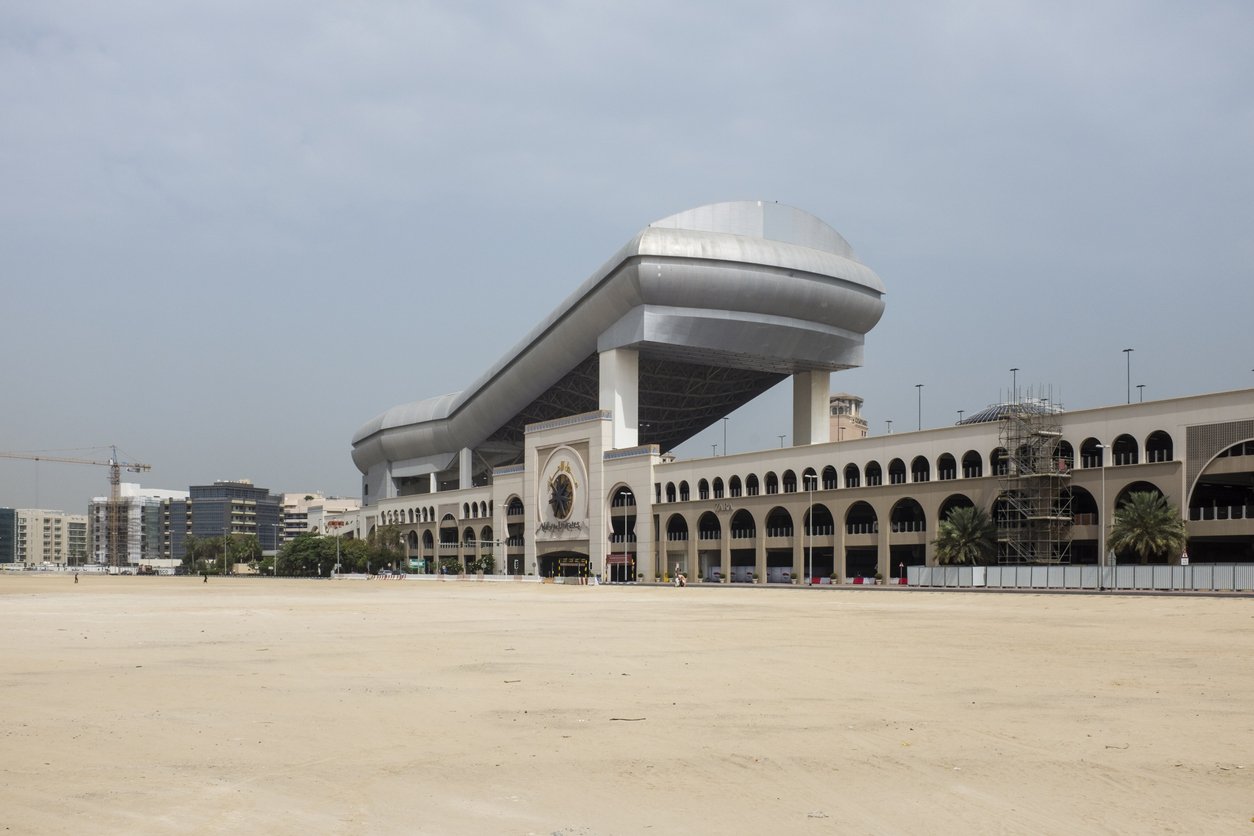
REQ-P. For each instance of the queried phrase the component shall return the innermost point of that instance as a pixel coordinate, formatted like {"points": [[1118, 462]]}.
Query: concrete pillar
{"points": [[759, 556], [465, 467], [620, 394], [883, 553], [810, 422], [693, 570], [838, 547], [724, 557], [433, 483], [798, 552]]}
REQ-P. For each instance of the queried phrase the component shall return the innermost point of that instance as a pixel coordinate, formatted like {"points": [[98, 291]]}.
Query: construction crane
{"points": [[115, 524]]}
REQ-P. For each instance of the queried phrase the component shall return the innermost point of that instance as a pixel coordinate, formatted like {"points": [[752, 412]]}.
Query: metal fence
{"points": [[1205, 577]]}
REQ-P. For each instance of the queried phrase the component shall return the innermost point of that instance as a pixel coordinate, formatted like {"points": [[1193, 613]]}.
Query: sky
{"points": [[232, 232]]}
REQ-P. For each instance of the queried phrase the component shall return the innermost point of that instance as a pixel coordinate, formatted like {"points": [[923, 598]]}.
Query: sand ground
{"points": [[165, 705]]}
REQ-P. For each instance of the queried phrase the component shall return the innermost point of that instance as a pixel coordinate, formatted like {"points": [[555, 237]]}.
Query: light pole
{"points": [[781, 441], [1014, 384], [889, 421], [625, 494], [918, 387], [960, 415], [1140, 388], [337, 525], [714, 447], [276, 527], [1101, 545], [810, 479], [1127, 352], [724, 436]]}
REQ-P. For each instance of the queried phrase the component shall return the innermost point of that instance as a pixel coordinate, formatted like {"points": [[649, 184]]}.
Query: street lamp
{"points": [[724, 435], [1101, 545], [1140, 388], [1014, 384], [276, 527], [919, 388], [1127, 352], [625, 494], [889, 421], [810, 479], [337, 525], [781, 440]]}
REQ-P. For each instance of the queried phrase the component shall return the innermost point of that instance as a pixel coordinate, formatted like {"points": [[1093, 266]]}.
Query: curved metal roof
{"points": [[752, 287], [997, 411]]}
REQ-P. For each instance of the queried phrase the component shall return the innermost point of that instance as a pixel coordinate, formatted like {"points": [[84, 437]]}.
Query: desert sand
{"points": [[168, 705]]}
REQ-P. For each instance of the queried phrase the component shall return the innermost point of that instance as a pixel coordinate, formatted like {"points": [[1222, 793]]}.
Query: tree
{"points": [[386, 545], [307, 554], [966, 537], [1148, 526]]}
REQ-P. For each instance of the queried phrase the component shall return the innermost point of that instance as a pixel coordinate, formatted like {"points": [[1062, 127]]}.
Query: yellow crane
{"points": [[115, 524]]}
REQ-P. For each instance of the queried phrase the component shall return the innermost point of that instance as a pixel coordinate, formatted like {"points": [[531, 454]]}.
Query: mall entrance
{"points": [[620, 568], [563, 565]]}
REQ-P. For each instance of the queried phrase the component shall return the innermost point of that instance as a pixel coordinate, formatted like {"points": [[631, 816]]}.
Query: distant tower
{"points": [[847, 422]]}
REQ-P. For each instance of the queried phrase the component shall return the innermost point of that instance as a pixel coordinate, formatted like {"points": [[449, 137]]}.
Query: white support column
{"points": [[810, 421], [620, 394], [465, 468]]}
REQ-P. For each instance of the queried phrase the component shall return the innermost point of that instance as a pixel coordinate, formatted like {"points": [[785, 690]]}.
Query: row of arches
{"points": [[427, 514], [905, 516], [1124, 450]]}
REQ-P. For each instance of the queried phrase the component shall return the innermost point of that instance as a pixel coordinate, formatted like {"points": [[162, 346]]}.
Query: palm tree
{"points": [[966, 537], [1148, 526]]}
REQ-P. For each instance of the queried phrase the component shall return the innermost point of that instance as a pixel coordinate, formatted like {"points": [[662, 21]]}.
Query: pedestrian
{"points": [[76, 577], [206, 577]]}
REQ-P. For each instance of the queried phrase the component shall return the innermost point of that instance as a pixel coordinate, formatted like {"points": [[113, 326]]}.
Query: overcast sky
{"points": [[233, 232]]}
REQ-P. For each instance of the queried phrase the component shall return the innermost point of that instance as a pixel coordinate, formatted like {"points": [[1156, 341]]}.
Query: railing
{"points": [[1157, 455], [829, 486], [1084, 519], [733, 492], [779, 532], [1125, 458], [1223, 512], [946, 475], [897, 478], [751, 491], [907, 526], [819, 530], [709, 535], [743, 533], [1090, 461], [514, 541], [619, 538], [675, 536], [1203, 577], [853, 483], [874, 481], [972, 472], [863, 528]]}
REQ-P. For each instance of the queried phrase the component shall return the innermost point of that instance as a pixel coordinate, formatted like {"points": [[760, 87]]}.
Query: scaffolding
{"points": [[1034, 511]]}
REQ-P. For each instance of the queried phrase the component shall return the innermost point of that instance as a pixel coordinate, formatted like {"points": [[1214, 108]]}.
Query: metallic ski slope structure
{"points": [[715, 305]]}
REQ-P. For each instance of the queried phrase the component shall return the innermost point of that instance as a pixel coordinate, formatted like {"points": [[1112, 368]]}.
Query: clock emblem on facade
{"points": [[562, 492], [561, 496]]}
